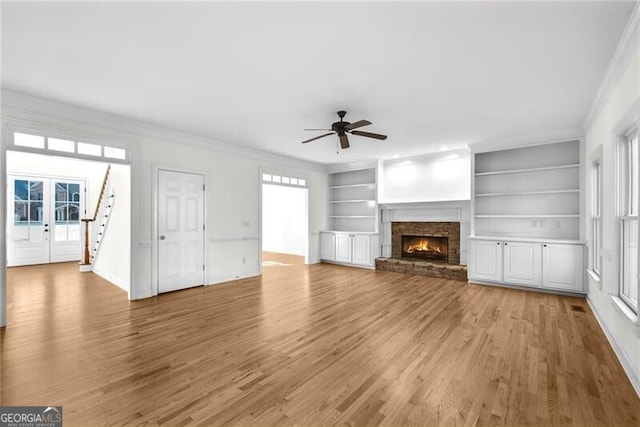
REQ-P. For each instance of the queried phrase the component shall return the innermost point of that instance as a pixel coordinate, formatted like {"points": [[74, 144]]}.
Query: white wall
{"points": [[621, 96], [284, 219], [433, 178], [113, 261]]}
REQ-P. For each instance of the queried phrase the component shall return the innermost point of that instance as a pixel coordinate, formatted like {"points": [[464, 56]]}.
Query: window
{"points": [[26, 140], [67, 211], [68, 146], [61, 145], [628, 220], [89, 149], [596, 212], [27, 203], [115, 153], [284, 180]]}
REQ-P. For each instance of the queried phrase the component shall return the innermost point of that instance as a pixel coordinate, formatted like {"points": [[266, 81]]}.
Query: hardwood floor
{"points": [[308, 345]]}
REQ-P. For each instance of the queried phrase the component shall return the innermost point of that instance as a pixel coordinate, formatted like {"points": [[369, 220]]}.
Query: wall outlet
{"points": [[244, 260], [534, 224]]}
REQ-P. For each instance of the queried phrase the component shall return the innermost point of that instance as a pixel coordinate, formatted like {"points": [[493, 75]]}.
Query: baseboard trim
{"points": [[118, 281], [623, 357]]}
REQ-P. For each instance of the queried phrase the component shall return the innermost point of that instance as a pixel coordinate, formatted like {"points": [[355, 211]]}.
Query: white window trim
{"points": [[594, 274], [620, 132]]}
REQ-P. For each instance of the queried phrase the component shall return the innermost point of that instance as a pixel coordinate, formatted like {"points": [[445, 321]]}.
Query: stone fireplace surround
{"points": [[451, 230], [456, 212]]}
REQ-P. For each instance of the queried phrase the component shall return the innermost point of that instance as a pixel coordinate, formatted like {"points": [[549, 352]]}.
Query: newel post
{"points": [[86, 257]]}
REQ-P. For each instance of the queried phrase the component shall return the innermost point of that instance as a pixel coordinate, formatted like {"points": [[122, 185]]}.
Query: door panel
{"points": [[485, 260], [361, 249], [27, 230], [46, 220], [522, 263], [180, 230], [343, 247], [65, 236]]}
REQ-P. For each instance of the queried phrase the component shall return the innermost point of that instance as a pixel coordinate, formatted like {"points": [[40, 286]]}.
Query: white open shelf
{"points": [[352, 201], [528, 192]]}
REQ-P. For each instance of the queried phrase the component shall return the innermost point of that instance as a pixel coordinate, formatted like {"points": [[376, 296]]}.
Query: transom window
{"points": [[284, 180], [69, 146]]}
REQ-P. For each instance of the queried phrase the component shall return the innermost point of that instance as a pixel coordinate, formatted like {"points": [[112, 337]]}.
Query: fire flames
{"points": [[422, 246]]}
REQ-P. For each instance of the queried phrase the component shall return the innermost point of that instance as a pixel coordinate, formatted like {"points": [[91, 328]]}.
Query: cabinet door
{"points": [[361, 249], [327, 246], [485, 260], [562, 267], [522, 263], [343, 247]]}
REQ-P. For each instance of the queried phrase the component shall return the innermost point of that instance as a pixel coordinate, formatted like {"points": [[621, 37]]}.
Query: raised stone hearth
{"points": [[423, 268], [450, 230]]}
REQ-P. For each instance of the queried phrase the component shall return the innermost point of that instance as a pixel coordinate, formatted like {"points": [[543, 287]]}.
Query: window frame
{"points": [[596, 208], [627, 213]]}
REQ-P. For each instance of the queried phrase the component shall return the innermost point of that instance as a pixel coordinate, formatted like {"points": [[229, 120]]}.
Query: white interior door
{"points": [[67, 207], [44, 220], [27, 222], [180, 230]]}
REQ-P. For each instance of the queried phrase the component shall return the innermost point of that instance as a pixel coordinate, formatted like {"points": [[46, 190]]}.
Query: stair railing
{"points": [[101, 214]]}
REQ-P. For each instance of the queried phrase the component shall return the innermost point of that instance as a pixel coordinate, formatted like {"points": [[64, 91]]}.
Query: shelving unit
{"points": [[528, 192], [352, 201]]}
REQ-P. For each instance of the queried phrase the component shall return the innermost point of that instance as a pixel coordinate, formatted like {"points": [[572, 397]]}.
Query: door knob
{"points": [[162, 237]]}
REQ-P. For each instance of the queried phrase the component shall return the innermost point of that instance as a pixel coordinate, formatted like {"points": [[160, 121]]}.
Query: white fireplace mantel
{"points": [[447, 211]]}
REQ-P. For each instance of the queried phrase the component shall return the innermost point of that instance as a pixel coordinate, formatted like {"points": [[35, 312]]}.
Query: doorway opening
{"points": [[285, 225], [47, 198]]}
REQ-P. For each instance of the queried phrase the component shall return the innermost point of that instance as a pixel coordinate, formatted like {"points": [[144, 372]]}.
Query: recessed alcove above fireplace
{"points": [[427, 238]]}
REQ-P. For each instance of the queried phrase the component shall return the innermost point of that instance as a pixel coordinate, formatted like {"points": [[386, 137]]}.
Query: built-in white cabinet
{"points": [[563, 267], [538, 264], [327, 246], [485, 260], [522, 263], [351, 238], [357, 249], [526, 217]]}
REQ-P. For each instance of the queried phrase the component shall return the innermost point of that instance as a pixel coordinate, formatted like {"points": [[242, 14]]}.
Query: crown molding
{"points": [[519, 141], [628, 46], [31, 110]]}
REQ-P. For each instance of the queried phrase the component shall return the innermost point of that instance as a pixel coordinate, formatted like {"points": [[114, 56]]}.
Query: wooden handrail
{"points": [[102, 190], [86, 259]]}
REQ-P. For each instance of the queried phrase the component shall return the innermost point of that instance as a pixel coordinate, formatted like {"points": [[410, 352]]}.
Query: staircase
{"points": [[95, 227]]}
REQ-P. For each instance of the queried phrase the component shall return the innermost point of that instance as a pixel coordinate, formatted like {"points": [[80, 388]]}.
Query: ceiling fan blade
{"points": [[319, 129], [344, 141], [318, 137], [357, 124], [369, 134]]}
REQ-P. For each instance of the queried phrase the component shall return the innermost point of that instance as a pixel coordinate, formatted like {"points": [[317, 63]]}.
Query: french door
{"points": [[180, 230], [43, 223]]}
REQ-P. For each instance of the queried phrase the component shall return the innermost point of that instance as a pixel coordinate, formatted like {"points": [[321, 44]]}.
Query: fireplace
{"points": [[429, 248], [442, 235]]}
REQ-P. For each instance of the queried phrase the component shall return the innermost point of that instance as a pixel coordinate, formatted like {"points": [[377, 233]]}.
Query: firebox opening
{"points": [[431, 248]]}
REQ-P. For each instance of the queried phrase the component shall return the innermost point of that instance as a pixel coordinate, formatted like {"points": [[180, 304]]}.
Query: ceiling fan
{"points": [[342, 128]]}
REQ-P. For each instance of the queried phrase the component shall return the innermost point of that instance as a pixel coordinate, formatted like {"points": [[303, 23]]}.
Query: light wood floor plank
{"points": [[308, 345]]}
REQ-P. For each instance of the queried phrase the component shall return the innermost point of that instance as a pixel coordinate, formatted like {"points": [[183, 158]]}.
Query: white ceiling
{"points": [[428, 74]]}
